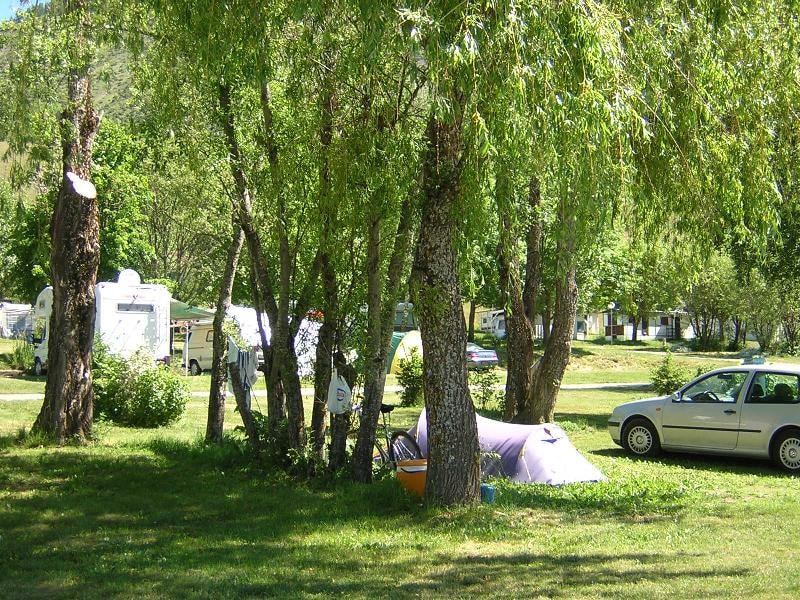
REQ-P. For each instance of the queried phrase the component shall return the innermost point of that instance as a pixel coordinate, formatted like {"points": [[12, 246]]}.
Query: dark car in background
{"points": [[480, 358]]}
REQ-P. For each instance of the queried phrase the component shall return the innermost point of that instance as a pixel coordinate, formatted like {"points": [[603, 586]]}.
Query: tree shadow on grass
{"points": [[580, 352], [24, 376], [569, 421], [701, 462], [175, 519], [117, 522]]}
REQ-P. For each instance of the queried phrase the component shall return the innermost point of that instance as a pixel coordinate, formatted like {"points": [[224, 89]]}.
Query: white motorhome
{"points": [[494, 321], [200, 345], [129, 315]]}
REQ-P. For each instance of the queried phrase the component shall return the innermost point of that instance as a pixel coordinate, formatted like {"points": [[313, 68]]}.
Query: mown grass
{"points": [[590, 363], [153, 514]]}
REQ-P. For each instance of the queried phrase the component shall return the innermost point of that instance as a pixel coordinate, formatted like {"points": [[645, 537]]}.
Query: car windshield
{"points": [[720, 387]]}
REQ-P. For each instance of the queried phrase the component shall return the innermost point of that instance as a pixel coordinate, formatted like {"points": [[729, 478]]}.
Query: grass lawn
{"points": [[591, 362], [153, 514]]}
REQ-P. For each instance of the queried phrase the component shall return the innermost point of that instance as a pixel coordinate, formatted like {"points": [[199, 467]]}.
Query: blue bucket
{"points": [[487, 493]]}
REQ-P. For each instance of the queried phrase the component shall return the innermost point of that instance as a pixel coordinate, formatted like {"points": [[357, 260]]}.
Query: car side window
{"points": [[774, 388], [720, 387]]}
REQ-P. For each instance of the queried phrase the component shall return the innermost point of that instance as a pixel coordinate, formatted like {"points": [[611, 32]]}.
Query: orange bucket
{"points": [[412, 475]]}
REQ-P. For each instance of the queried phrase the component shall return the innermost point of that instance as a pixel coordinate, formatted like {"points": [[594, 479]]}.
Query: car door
{"points": [[705, 416], [773, 400]]}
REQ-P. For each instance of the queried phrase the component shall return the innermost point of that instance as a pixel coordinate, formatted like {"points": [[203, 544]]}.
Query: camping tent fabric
{"points": [[180, 311], [528, 453], [404, 344]]}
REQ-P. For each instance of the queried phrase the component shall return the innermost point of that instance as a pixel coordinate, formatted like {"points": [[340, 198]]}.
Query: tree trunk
{"points": [[219, 361], [549, 371], [471, 321], [282, 341], [519, 327], [547, 318], [322, 377], [250, 428], [737, 331], [67, 409], [634, 336], [283, 358], [453, 465], [340, 424], [381, 301], [328, 214], [382, 297], [276, 404]]}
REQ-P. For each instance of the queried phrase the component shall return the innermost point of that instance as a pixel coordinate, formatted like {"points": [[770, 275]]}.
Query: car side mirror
{"points": [[676, 397]]}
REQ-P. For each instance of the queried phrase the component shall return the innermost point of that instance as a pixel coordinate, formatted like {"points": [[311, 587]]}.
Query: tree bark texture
{"points": [[282, 340], [284, 356], [219, 371], [471, 321], [322, 378], [67, 409], [454, 453], [375, 363], [276, 404]]}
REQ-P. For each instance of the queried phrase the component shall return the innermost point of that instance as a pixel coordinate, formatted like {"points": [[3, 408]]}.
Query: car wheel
{"points": [[38, 369], [640, 438], [786, 451], [194, 368]]}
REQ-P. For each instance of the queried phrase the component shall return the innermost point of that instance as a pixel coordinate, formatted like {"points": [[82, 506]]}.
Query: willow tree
{"points": [[385, 152], [639, 118], [451, 37], [246, 49], [559, 165]]}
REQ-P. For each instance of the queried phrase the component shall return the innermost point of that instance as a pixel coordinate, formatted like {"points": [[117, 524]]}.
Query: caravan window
{"points": [[138, 308], [210, 335]]}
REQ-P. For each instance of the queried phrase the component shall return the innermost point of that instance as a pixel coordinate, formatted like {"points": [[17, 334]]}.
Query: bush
{"points": [[136, 392], [668, 376], [484, 392], [410, 379], [21, 356]]}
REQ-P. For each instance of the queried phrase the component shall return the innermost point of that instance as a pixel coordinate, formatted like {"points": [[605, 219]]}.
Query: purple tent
{"points": [[528, 453]]}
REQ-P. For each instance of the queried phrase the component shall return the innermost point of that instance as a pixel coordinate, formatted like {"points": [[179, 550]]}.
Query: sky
{"points": [[8, 8]]}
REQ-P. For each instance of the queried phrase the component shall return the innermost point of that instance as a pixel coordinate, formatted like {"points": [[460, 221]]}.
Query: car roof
{"points": [[775, 367]]}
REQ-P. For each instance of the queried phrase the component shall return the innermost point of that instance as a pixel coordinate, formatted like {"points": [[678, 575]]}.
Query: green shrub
{"points": [[136, 392], [21, 356], [484, 392], [667, 377], [409, 377]]}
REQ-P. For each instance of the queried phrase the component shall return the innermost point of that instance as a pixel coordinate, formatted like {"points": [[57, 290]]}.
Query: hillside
{"points": [[111, 86]]}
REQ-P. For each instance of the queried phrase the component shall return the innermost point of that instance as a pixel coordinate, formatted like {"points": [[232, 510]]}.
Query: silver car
{"points": [[746, 410], [479, 358]]}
